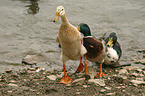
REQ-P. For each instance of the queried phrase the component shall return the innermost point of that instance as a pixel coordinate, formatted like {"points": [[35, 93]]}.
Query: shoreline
{"points": [[128, 80]]}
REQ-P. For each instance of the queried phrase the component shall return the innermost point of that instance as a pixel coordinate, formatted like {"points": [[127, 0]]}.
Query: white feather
{"points": [[111, 57]]}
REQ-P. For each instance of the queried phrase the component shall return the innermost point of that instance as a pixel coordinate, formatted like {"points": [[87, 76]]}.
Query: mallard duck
{"points": [[114, 51], [96, 49], [71, 42]]}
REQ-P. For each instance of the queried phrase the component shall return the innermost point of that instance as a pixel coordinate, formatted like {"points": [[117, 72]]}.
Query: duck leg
{"points": [[80, 67], [85, 64], [100, 74], [66, 79]]}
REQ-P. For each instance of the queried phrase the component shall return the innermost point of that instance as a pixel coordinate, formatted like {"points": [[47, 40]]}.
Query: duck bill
{"points": [[78, 28], [110, 42], [56, 18]]}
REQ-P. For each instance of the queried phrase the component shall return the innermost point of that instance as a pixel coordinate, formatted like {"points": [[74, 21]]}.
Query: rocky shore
{"points": [[35, 81], [129, 80]]}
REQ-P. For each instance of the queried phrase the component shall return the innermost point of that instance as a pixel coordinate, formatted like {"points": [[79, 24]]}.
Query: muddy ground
{"points": [[38, 82]]}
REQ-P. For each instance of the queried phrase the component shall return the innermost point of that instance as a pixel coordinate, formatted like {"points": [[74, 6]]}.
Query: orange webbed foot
{"points": [[66, 79], [100, 74], [80, 68]]}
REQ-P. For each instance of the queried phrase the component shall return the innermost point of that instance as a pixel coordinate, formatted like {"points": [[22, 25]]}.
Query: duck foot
{"points": [[66, 79], [80, 68], [100, 74]]}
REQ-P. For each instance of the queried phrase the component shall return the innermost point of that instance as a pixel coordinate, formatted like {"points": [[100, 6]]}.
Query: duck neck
{"points": [[64, 19]]}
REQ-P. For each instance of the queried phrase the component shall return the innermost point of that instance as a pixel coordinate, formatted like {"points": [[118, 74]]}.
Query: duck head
{"points": [[59, 12], [112, 39], [84, 29]]}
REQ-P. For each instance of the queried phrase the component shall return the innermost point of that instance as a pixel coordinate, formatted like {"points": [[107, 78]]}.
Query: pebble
{"points": [[2, 80], [130, 67], [10, 84], [97, 81], [32, 69], [108, 88], [10, 91], [78, 93], [110, 94], [85, 86], [81, 80], [138, 82], [144, 72], [142, 61], [52, 77], [13, 81], [8, 71], [134, 74], [118, 87], [102, 90], [139, 70]]}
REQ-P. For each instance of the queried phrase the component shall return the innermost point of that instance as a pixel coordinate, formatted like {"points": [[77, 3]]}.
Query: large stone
{"points": [[97, 81], [123, 71], [91, 72], [52, 77], [33, 59]]}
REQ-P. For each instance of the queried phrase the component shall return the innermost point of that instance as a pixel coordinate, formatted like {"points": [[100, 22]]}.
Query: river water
{"points": [[26, 25]]}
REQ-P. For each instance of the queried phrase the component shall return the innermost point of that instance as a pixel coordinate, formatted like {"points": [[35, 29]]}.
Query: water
{"points": [[27, 25]]}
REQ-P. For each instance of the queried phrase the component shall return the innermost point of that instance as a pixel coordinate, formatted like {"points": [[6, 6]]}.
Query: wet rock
{"points": [[33, 59], [123, 71], [97, 81], [52, 77], [142, 61]]}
